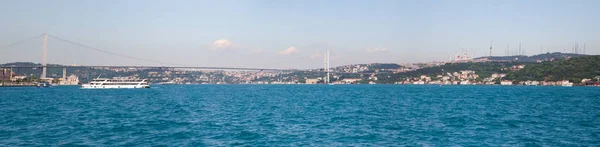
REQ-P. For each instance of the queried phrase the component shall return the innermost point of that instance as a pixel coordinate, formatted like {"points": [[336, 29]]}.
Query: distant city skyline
{"points": [[293, 34]]}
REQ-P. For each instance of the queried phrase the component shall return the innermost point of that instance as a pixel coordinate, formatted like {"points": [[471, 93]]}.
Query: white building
{"points": [[564, 83], [15, 78], [506, 82], [312, 81], [71, 80], [350, 80], [532, 83], [498, 75]]}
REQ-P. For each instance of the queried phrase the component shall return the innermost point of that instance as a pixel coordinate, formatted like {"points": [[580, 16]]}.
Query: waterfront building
{"points": [[465, 82], [6, 75], [564, 83], [350, 80], [16, 78], [71, 80], [436, 82], [548, 83], [506, 82], [312, 81], [531, 83]]}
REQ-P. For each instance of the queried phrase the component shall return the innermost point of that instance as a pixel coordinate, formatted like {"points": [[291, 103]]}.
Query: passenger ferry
{"points": [[117, 82]]}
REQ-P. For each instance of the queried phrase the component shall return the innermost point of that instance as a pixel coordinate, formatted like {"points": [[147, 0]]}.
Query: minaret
{"points": [[44, 48], [472, 55], [465, 54]]}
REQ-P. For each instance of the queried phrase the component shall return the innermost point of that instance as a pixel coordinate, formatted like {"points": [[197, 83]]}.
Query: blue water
{"points": [[301, 115]]}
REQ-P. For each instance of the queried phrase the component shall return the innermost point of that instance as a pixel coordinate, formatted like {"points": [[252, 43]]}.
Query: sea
{"points": [[301, 115]]}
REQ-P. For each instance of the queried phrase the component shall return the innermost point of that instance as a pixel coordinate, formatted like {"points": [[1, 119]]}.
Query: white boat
{"points": [[105, 83], [43, 84]]}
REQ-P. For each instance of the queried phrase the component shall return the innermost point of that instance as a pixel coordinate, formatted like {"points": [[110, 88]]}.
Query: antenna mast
{"points": [[490, 48], [520, 52], [541, 49], [507, 49], [327, 67], [583, 48]]}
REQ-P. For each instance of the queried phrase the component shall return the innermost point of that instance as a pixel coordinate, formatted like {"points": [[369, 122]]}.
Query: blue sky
{"points": [[292, 34]]}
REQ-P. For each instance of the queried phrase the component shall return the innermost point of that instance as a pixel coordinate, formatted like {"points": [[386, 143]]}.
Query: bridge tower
{"points": [[64, 73], [10, 74], [44, 48]]}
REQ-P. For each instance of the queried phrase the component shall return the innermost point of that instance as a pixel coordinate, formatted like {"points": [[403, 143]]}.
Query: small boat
{"points": [[43, 84]]}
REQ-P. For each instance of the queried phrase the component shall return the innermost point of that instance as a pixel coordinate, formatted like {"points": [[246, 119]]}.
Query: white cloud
{"points": [[288, 51], [372, 50], [315, 55], [222, 44]]}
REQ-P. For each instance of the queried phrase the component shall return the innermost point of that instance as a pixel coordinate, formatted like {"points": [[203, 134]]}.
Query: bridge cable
{"points": [[19, 42], [112, 53], [284, 61]]}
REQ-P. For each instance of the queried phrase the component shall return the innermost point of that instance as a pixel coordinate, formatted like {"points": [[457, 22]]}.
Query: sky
{"points": [[291, 33]]}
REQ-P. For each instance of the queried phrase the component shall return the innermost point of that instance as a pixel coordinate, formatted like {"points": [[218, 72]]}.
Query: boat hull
{"points": [[85, 86]]}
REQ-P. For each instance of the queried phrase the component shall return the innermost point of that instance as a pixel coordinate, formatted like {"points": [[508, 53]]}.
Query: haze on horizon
{"points": [[292, 34]]}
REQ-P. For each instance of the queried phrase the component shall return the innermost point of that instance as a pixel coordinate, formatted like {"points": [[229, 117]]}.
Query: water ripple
{"points": [[301, 115]]}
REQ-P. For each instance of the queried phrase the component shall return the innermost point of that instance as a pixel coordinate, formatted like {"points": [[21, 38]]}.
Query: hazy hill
{"points": [[534, 58]]}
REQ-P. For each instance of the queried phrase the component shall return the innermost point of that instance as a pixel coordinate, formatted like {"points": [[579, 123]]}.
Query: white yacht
{"points": [[105, 83]]}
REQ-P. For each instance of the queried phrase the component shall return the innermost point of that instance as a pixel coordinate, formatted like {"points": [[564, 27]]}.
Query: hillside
{"points": [[483, 69], [573, 69], [367, 68]]}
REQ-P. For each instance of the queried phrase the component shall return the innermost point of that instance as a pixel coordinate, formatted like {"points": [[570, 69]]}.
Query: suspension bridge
{"points": [[43, 66]]}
